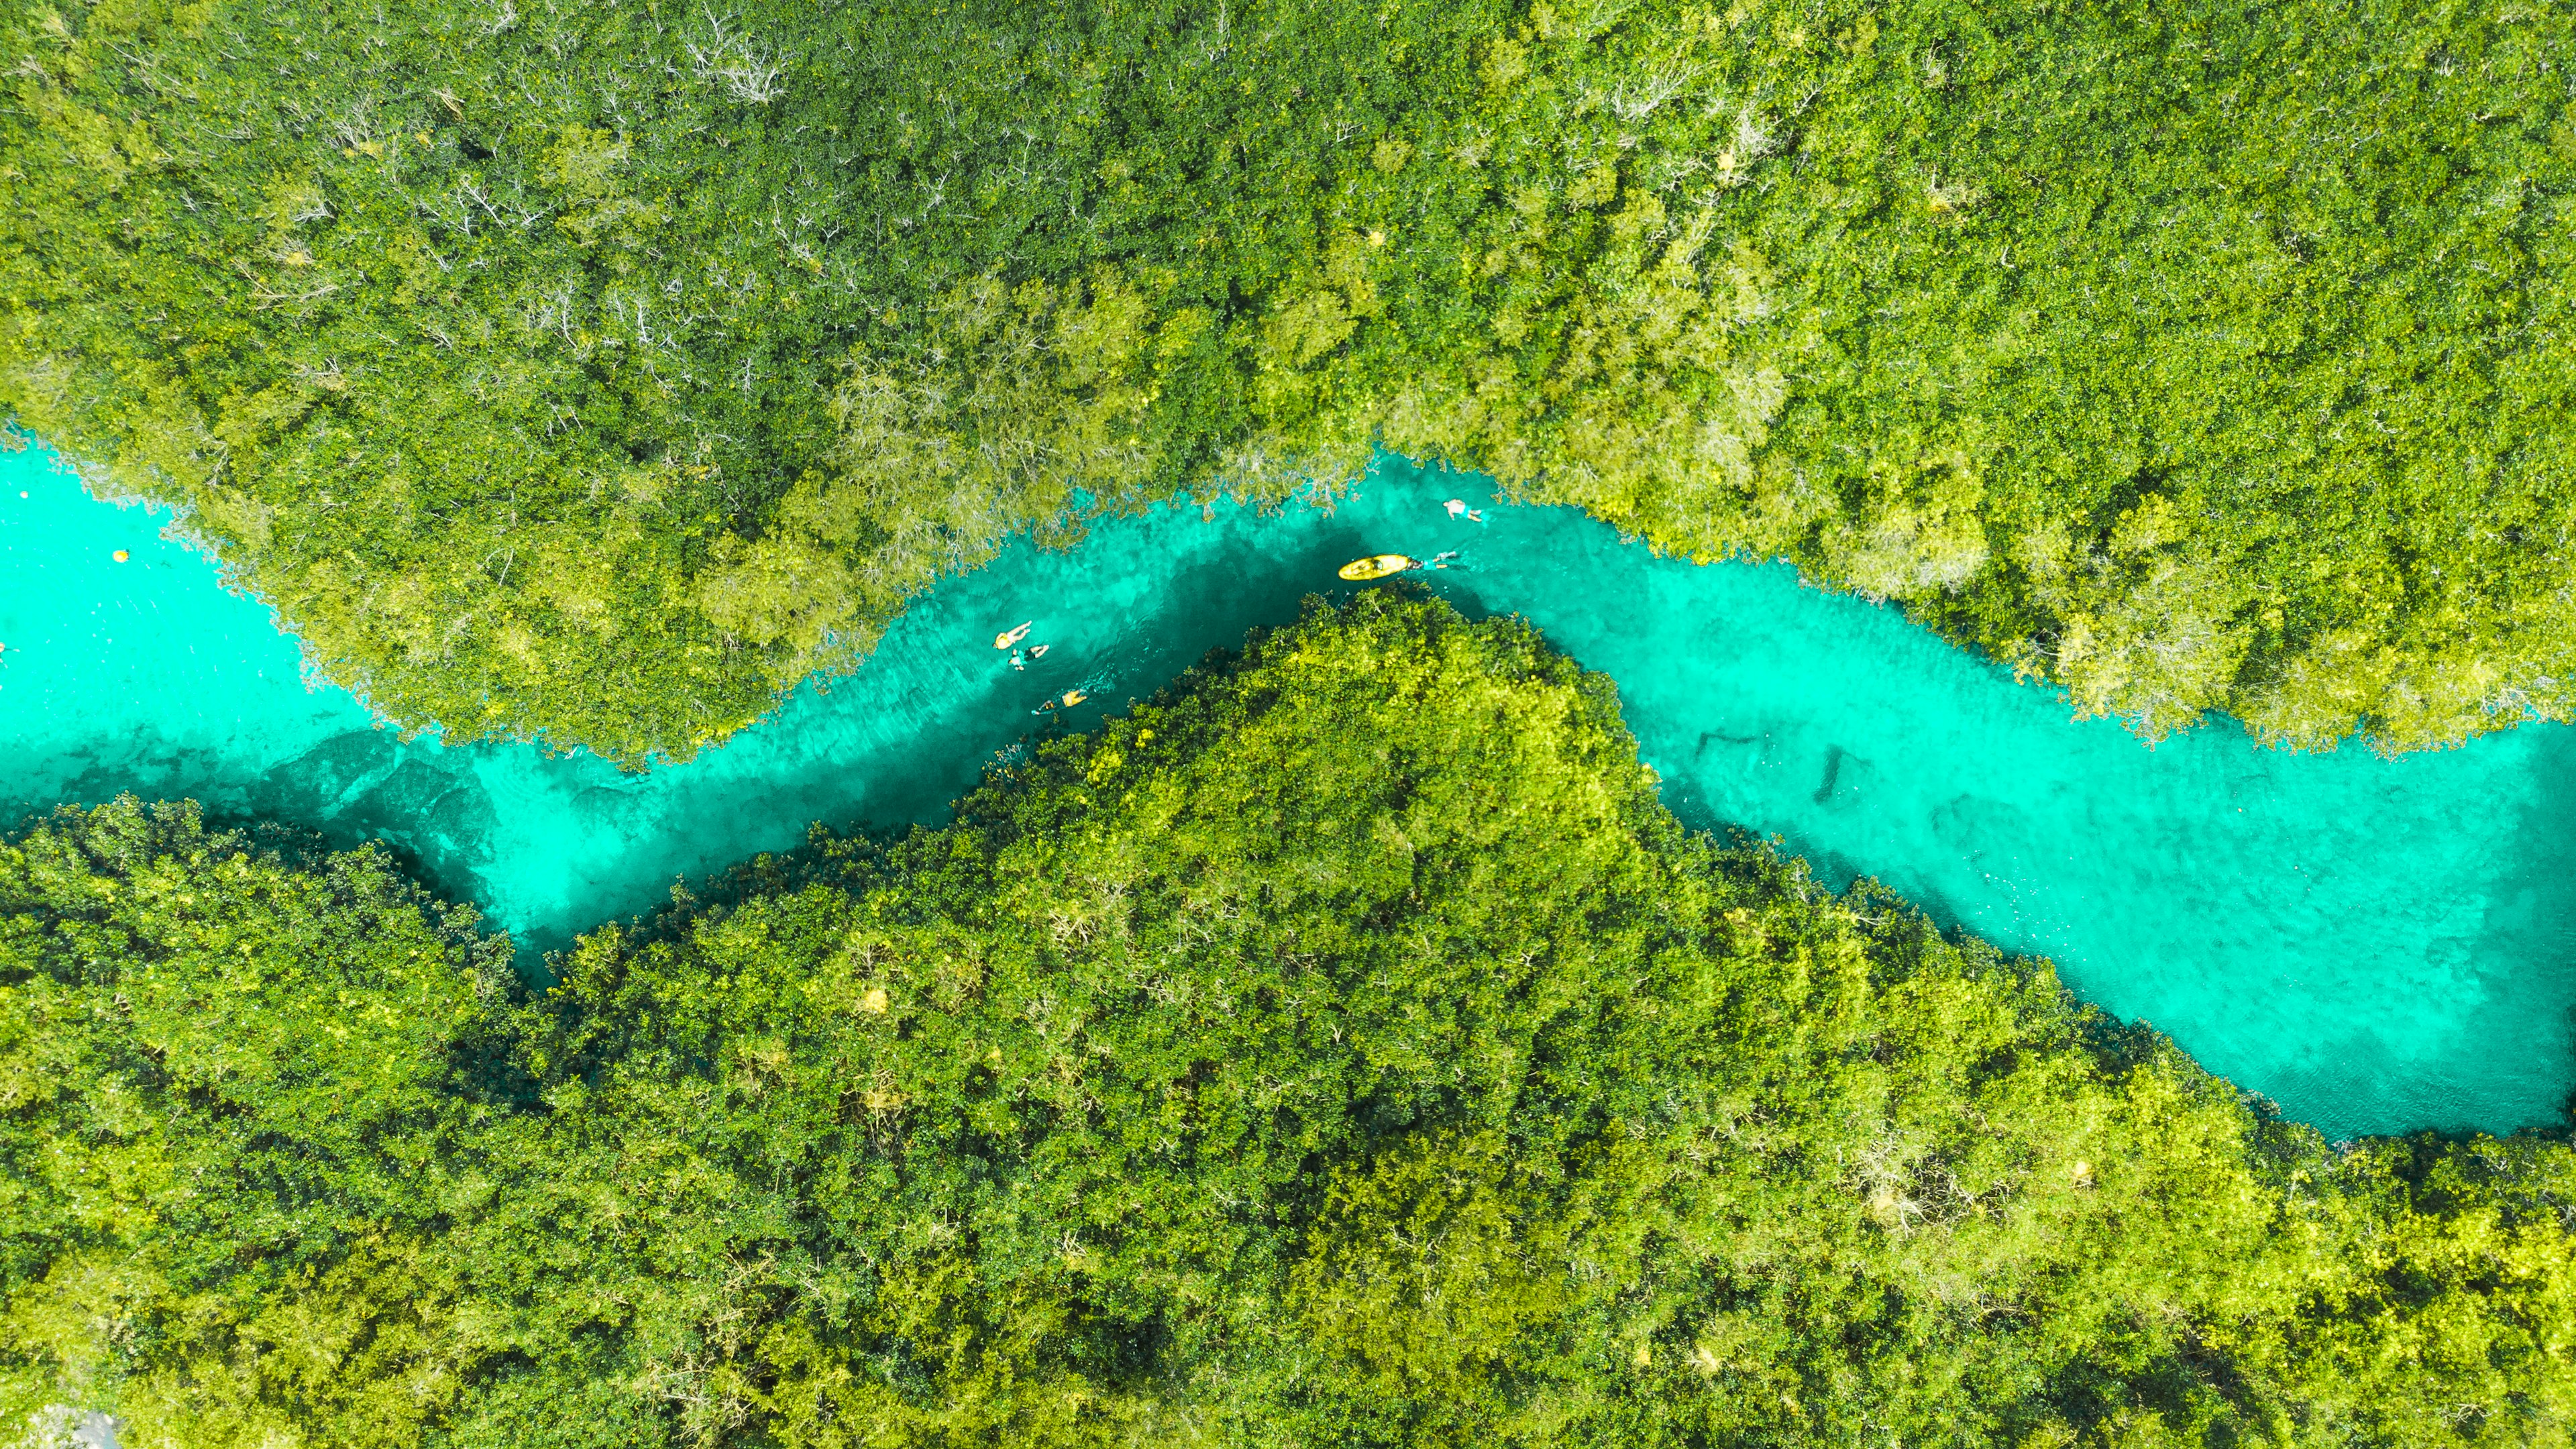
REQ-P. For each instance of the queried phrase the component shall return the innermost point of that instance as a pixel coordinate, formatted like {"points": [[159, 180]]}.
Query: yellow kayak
{"points": [[1378, 566]]}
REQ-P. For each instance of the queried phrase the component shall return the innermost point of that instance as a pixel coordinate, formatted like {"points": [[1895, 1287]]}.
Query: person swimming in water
{"points": [[1010, 638], [1038, 651], [1458, 509]]}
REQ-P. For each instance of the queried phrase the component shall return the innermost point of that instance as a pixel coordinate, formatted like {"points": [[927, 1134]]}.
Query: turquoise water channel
{"points": [[2378, 945]]}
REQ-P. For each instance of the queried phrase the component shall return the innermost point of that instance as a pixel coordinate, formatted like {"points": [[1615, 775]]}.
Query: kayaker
{"points": [[1378, 566]]}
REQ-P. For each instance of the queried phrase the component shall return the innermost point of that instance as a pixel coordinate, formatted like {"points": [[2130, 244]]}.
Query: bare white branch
{"points": [[747, 71]]}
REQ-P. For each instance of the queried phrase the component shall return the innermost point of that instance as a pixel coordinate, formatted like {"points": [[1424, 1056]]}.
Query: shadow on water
{"points": [[366, 785], [354, 786], [2526, 947]]}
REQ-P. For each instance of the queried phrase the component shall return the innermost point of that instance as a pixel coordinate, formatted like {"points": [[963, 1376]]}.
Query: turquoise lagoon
{"points": [[2378, 945]]}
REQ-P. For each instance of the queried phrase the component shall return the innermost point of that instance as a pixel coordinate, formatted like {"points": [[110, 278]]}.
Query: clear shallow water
{"points": [[2378, 945]]}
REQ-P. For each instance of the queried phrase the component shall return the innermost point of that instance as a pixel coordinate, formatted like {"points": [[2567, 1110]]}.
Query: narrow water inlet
{"points": [[2379, 945]]}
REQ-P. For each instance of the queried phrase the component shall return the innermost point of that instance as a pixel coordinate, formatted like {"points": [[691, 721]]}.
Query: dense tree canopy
{"points": [[1344, 1048], [598, 367]]}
